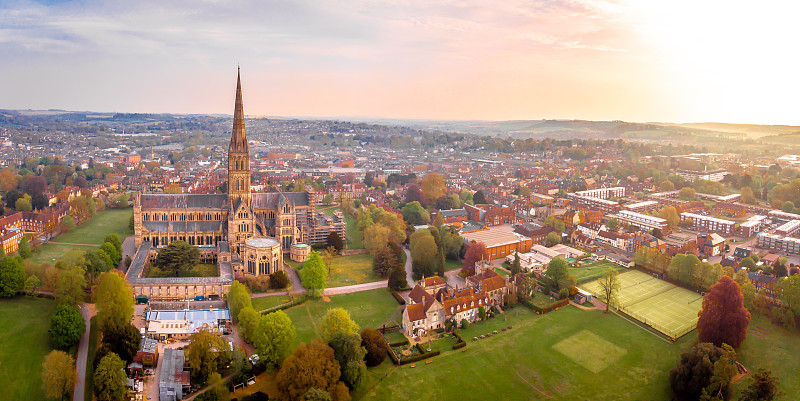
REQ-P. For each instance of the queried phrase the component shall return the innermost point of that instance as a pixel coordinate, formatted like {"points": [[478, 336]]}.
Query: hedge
{"points": [[419, 357], [399, 343], [284, 306], [546, 309], [398, 298], [460, 343]]}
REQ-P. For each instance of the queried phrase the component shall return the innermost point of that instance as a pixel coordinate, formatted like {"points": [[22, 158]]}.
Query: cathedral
{"points": [[251, 231]]}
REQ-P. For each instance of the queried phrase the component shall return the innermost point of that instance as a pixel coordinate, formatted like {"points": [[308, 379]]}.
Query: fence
{"points": [[674, 335]]}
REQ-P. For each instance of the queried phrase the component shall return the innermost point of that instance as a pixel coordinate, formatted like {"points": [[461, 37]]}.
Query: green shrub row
{"points": [[419, 357], [398, 298], [460, 343], [287, 305]]}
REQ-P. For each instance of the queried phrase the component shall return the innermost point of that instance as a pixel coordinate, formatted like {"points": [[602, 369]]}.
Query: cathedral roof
{"points": [[276, 200], [183, 201], [182, 226]]}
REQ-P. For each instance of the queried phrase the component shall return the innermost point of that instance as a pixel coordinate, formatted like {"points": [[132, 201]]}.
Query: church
{"points": [[250, 231]]}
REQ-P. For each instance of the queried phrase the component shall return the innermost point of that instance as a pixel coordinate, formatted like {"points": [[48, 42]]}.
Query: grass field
{"points": [[201, 270], [92, 232], [24, 342], [354, 240], [775, 348], [262, 303], [451, 264], [593, 271], [528, 362], [669, 309], [367, 308]]}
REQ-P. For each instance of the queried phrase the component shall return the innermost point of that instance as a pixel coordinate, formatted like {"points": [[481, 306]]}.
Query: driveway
{"points": [[87, 311]]}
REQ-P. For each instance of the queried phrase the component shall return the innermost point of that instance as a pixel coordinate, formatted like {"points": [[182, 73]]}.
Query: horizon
{"points": [[677, 63]]}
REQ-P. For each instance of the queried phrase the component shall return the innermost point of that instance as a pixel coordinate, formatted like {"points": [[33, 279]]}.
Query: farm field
{"points": [[24, 343], [92, 232], [668, 308]]}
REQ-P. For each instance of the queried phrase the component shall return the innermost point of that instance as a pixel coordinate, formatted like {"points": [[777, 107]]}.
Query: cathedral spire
{"points": [[238, 137]]}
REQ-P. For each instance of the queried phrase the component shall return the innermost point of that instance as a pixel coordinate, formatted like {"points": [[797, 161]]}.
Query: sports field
{"points": [[665, 307]]}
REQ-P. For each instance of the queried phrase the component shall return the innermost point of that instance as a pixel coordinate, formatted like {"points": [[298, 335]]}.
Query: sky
{"points": [[668, 61]]}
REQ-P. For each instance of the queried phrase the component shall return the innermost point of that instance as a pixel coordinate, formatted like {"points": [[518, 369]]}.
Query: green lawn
{"points": [[201, 270], [347, 270], [328, 210], [772, 347], [352, 269], [354, 240], [92, 231], [24, 342], [451, 264], [262, 303], [367, 308], [528, 362], [593, 271]]}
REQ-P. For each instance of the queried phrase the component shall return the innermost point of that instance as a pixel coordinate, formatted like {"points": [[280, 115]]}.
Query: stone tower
{"points": [[238, 154]]}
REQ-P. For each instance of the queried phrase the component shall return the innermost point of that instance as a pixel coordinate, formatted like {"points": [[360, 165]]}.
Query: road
{"points": [[87, 311], [356, 288]]}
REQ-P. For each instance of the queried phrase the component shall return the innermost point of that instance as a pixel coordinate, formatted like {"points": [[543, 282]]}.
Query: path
{"points": [[356, 288], [87, 311], [409, 275], [579, 306], [128, 249], [70, 243]]}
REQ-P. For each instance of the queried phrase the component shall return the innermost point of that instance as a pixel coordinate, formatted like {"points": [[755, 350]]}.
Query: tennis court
{"points": [[665, 307]]}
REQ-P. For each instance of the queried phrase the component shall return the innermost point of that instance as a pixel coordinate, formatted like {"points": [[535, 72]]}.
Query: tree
{"points": [[66, 327], [39, 201], [613, 224], [788, 291], [114, 301], [350, 354], [787, 207], [669, 214], [424, 254], [763, 387], [466, 197], [177, 256], [667, 186], [414, 194], [336, 321], [204, 353], [479, 198], [24, 248], [552, 238], [748, 196], [725, 369], [69, 223], [414, 214], [314, 275], [609, 286], [749, 264], [515, 266], [238, 299], [314, 394], [109, 379], [7, 180], [376, 237], [657, 233], [383, 261], [273, 337], [23, 205], [114, 240], [123, 339], [555, 222], [327, 199], [482, 313], [218, 390], [433, 186], [557, 275], [397, 278], [58, 374], [248, 321], [335, 241], [476, 251], [373, 343], [12, 277], [723, 317], [279, 280], [32, 285], [311, 366], [686, 193], [695, 371]]}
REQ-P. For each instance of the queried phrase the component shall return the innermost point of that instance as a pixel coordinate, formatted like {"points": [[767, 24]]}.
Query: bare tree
{"points": [[610, 286]]}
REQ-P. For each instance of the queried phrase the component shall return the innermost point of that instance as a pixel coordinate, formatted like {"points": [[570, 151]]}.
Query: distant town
{"points": [[193, 257]]}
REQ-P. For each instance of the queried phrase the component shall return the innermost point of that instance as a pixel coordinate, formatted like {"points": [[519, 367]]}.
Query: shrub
{"points": [[279, 280], [464, 324], [564, 293], [398, 298]]}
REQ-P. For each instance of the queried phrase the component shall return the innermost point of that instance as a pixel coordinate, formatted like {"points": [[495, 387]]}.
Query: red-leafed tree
{"points": [[475, 252], [414, 193], [724, 318]]}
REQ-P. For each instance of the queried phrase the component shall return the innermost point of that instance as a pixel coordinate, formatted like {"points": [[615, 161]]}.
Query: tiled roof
{"points": [[184, 201]]}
